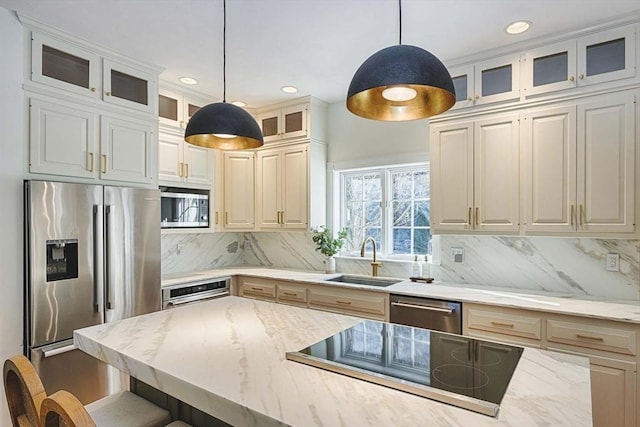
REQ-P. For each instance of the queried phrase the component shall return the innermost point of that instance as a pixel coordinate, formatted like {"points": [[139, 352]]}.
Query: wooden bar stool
{"points": [[25, 395]]}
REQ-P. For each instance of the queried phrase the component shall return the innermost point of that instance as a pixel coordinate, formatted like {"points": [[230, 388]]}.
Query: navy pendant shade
{"points": [[405, 66], [211, 123]]}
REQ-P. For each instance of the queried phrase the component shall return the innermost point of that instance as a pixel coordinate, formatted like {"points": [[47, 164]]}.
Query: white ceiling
{"points": [[315, 45]]}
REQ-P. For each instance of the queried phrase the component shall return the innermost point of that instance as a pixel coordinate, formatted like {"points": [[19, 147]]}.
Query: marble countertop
{"points": [[552, 303], [226, 357]]}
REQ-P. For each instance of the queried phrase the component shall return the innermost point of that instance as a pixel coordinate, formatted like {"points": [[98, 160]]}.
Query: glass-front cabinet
{"points": [[285, 123], [128, 86], [68, 67], [596, 58], [176, 109], [494, 80]]}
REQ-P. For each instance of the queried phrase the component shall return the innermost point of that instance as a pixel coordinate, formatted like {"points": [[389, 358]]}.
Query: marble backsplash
{"points": [[566, 266]]}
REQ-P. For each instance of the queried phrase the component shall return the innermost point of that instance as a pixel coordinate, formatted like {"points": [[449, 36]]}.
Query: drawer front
{"points": [[592, 336], [292, 294], [348, 301], [256, 288], [504, 323]]}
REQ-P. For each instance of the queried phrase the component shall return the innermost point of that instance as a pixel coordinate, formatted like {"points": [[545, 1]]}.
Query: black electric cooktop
{"points": [[453, 369]]}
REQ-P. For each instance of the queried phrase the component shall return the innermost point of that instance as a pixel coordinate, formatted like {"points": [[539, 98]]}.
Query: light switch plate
{"points": [[457, 254]]}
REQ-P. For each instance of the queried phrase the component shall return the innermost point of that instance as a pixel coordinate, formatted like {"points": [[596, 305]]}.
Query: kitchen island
{"points": [[226, 357]]}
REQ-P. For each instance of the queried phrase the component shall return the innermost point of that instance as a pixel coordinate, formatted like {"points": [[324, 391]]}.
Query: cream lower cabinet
{"points": [[282, 187], [183, 164], [239, 190], [475, 175], [72, 141], [354, 302], [612, 349], [579, 163]]}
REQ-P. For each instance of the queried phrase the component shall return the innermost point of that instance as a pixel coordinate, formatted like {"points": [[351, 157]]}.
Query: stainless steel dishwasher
{"points": [[438, 315]]}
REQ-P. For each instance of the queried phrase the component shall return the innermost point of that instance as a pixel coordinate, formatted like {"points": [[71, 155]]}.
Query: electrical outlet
{"points": [[180, 248], [457, 254], [613, 262]]}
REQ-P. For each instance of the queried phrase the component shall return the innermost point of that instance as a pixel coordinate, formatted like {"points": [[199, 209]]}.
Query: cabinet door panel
{"points": [[129, 87], [463, 83], [62, 140], [199, 164], [239, 191], [269, 186], [170, 158], [451, 176], [496, 170], [607, 55], [549, 162], [606, 160], [295, 188], [294, 121], [126, 151], [497, 80], [550, 68]]}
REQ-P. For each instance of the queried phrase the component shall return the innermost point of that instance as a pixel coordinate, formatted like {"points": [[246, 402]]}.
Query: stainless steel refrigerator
{"points": [[92, 255]]}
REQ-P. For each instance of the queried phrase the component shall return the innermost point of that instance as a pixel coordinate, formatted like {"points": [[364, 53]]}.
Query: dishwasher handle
{"points": [[448, 310]]}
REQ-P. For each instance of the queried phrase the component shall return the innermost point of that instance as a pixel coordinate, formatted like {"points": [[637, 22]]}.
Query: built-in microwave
{"points": [[184, 208]]}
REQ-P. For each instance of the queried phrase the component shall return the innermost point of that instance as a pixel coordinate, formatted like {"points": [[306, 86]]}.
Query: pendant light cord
{"points": [[224, 51], [399, 19]]}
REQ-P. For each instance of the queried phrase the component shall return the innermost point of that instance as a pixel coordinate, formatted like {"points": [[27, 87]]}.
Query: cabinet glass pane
{"points": [[270, 126], [460, 85], [496, 80], [293, 122], [605, 57], [65, 67], [129, 87], [550, 69], [192, 109], [168, 107]]}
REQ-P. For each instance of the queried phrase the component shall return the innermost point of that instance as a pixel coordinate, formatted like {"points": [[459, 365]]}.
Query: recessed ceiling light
{"points": [[289, 89], [518, 27], [239, 103], [188, 80]]}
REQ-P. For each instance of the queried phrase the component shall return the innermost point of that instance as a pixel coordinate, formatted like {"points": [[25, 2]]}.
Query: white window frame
{"points": [[386, 237]]}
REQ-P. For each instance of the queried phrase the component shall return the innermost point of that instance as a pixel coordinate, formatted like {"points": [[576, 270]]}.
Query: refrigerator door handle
{"points": [[65, 348], [98, 272], [107, 259]]}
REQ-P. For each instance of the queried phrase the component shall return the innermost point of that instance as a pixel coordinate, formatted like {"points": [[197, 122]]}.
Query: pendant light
{"points": [[400, 83], [221, 125]]}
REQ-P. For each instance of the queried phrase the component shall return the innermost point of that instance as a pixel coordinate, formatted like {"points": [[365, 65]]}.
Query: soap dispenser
{"points": [[424, 267]]}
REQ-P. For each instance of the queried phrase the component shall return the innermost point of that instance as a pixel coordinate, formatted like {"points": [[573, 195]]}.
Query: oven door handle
{"points": [[424, 307], [195, 298]]}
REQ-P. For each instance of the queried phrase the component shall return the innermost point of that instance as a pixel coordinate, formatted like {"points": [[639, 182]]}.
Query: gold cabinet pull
{"points": [[257, 289], [469, 217], [216, 217], [477, 216], [108, 93], [180, 169], [93, 89], [104, 163], [571, 78], [90, 162], [581, 76], [571, 215], [343, 302], [226, 218], [582, 219], [589, 337], [186, 168], [502, 324], [290, 294]]}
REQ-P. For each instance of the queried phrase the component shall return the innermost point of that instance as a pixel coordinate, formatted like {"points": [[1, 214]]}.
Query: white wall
{"points": [[11, 171], [358, 142]]}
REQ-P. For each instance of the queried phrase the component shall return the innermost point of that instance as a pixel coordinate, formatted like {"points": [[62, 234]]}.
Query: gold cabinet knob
{"points": [[93, 89], [469, 99], [477, 96], [108, 93], [581, 76], [571, 78]]}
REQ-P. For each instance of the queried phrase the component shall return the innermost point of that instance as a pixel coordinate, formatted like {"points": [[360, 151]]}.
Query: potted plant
{"points": [[328, 245]]}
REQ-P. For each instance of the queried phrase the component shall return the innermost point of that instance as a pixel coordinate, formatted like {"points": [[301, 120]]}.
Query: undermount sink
{"points": [[370, 281]]}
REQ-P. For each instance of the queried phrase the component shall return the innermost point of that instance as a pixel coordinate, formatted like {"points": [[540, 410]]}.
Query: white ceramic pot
{"points": [[330, 265]]}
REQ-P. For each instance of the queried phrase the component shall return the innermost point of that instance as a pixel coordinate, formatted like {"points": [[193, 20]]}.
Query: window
{"points": [[391, 205]]}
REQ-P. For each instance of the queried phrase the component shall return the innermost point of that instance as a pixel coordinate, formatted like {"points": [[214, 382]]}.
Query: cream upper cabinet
{"points": [[175, 107], [129, 86], [579, 163], [600, 57], [284, 123], [239, 190], [126, 152], [182, 163], [63, 140], [71, 141], [493, 80], [282, 187], [475, 175]]}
